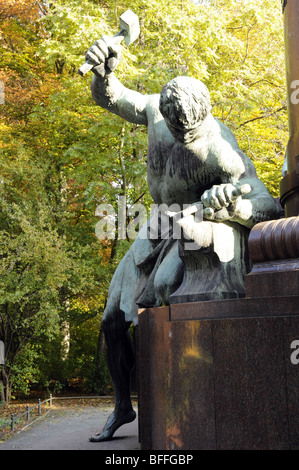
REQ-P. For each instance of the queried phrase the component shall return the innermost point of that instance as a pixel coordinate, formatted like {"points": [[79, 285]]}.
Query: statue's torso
{"points": [[176, 174], [179, 173]]}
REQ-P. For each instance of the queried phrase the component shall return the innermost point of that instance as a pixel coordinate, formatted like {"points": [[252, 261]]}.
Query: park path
{"points": [[70, 429]]}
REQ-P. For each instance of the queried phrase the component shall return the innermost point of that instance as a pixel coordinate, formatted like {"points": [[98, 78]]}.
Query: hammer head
{"points": [[129, 23]]}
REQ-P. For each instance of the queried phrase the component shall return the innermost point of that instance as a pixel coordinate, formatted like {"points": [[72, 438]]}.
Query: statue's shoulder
{"points": [[152, 108], [153, 101], [224, 146], [226, 133]]}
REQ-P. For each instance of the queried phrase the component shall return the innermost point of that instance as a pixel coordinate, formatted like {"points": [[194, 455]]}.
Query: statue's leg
{"points": [[121, 310], [121, 359]]}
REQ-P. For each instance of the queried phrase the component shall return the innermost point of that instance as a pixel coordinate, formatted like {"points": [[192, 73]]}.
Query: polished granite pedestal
{"points": [[218, 374]]}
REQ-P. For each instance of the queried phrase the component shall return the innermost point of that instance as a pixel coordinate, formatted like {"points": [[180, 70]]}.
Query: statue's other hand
{"points": [[104, 55], [220, 201]]}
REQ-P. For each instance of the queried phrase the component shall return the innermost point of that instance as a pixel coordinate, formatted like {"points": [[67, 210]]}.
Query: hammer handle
{"points": [[86, 67]]}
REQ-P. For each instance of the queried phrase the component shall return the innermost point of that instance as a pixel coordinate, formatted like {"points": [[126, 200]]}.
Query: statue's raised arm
{"points": [[107, 91]]}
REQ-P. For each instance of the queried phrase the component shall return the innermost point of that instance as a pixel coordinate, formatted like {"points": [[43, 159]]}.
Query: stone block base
{"points": [[219, 375]]}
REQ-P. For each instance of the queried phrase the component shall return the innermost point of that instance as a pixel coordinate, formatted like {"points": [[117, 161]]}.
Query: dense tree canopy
{"points": [[61, 156]]}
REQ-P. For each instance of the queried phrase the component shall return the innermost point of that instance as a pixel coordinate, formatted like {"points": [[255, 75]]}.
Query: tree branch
{"points": [[247, 42], [283, 108], [138, 199], [267, 81]]}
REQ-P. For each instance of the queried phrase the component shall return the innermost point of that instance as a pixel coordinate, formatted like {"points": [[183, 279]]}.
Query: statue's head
{"points": [[184, 104]]}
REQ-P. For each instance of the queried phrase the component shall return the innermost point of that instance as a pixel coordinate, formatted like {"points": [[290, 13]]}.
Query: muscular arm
{"points": [[109, 93], [256, 206], [242, 197]]}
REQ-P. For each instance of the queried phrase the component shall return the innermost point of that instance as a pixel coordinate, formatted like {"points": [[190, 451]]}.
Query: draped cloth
{"points": [[133, 283]]}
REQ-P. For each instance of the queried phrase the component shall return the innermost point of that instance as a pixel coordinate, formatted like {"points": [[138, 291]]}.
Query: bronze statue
{"points": [[192, 159]]}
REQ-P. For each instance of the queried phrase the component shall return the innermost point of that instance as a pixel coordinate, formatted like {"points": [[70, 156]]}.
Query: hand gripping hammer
{"points": [[129, 24]]}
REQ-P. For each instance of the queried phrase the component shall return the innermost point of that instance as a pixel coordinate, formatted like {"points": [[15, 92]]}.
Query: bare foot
{"points": [[114, 421]]}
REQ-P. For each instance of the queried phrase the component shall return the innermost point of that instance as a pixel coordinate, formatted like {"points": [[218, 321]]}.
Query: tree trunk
{"points": [[2, 398], [5, 386]]}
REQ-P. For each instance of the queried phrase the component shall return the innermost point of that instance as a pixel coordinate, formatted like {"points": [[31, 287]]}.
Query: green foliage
{"points": [[86, 363], [61, 156], [24, 371]]}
